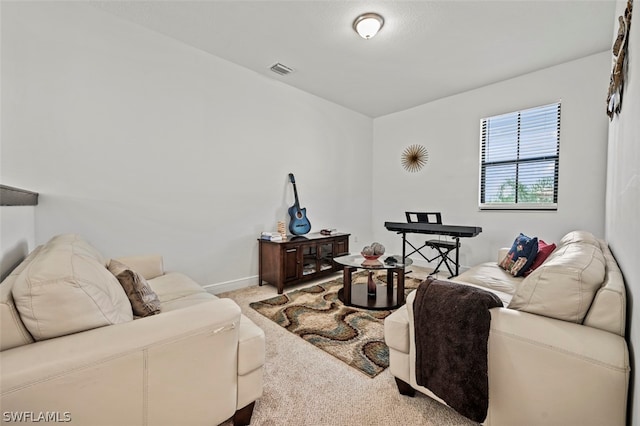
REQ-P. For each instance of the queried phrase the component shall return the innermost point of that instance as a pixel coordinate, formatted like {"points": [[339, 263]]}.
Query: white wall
{"points": [[17, 236], [450, 130], [145, 145], [623, 194]]}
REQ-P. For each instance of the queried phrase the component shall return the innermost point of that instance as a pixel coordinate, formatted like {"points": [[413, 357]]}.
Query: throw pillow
{"points": [[67, 289], [522, 254], [144, 301], [544, 250]]}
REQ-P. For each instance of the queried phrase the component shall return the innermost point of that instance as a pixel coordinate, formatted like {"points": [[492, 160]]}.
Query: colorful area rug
{"points": [[353, 335]]}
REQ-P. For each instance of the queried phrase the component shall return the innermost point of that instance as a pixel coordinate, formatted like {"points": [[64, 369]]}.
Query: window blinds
{"points": [[519, 164]]}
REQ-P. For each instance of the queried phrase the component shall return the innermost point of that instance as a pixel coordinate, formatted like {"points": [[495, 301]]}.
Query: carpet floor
{"points": [[316, 314], [305, 386]]}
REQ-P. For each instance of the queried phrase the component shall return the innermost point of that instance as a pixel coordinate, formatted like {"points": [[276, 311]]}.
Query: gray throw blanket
{"points": [[451, 331]]}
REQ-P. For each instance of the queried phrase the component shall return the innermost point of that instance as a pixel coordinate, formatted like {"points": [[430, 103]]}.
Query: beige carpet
{"points": [[305, 386], [316, 314]]}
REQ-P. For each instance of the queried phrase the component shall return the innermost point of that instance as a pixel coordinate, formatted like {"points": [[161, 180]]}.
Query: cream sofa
{"points": [[71, 350], [556, 352]]}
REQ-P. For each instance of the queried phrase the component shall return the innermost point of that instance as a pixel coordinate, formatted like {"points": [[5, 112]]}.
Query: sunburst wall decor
{"points": [[414, 157]]}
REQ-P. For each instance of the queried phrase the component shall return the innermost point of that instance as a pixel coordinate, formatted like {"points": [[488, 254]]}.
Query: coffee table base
{"points": [[360, 298], [370, 295]]}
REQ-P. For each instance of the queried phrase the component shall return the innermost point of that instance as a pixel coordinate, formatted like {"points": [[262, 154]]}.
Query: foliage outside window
{"points": [[520, 158]]}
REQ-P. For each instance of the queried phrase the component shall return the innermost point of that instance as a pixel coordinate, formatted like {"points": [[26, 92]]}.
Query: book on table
{"points": [[271, 236]]}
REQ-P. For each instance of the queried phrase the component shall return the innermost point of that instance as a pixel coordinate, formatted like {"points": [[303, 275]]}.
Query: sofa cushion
{"points": [[149, 266], [522, 254], [81, 247], [579, 237], [490, 276], [144, 301], [67, 289], [563, 287], [176, 291], [544, 250]]}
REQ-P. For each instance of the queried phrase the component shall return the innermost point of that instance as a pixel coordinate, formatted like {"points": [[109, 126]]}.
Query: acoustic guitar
{"points": [[299, 224]]}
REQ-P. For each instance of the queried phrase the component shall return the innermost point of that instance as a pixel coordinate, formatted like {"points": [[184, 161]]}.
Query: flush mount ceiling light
{"points": [[368, 24]]}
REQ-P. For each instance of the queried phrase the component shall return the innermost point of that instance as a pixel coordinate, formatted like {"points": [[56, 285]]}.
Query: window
{"points": [[519, 159]]}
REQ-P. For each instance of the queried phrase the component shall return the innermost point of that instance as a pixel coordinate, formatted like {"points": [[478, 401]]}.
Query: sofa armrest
{"points": [[251, 359], [587, 343], [177, 367], [542, 368], [502, 252], [149, 266]]}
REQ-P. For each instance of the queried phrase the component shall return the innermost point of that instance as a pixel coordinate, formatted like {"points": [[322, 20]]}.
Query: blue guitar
{"points": [[299, 224]]}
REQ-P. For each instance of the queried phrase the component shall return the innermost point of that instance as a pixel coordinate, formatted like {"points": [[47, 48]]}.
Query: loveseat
{"points": [[72, 350], [556, 350]]}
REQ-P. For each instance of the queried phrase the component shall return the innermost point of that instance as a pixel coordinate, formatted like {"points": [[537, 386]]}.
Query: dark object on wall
{"points": [[620, 49], [299, 224], [10, 196], [414, 157]]}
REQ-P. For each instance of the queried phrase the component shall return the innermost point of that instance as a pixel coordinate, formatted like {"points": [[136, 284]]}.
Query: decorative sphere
{"points": [[378, 249], [368, 250]]}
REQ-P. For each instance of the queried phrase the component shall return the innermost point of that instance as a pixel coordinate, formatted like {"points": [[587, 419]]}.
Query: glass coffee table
{"points": [[369, 296]]}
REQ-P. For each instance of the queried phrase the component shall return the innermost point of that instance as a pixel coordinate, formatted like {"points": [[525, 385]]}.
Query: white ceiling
{"points": [[425, 51]]}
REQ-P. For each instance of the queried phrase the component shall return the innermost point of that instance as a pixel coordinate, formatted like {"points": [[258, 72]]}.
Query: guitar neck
{"points": [[295, 193]]}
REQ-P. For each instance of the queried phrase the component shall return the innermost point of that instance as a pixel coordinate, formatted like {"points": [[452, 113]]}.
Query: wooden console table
{"points": [[300, 258]]}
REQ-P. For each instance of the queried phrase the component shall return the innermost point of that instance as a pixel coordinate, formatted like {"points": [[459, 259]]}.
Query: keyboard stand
{"points": [[444, 249]]}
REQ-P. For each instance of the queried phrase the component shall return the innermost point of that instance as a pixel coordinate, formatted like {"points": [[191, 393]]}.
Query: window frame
{"points": [[526, 206]]}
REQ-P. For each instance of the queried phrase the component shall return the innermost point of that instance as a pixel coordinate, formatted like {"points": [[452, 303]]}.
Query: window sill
{"points": [[523, 207]]}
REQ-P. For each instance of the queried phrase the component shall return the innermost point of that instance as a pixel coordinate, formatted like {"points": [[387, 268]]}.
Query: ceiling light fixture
{"points": [[367, 25]]}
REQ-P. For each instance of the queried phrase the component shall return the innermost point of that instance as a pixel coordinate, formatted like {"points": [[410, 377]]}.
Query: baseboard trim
{"points": [[240, 283], [424, 264], [231, 285]]}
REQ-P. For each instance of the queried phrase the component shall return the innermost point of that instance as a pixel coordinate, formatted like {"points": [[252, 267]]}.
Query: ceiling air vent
{"points": [[281, 69]]}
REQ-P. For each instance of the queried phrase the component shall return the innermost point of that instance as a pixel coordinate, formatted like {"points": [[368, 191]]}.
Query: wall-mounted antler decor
{"points": [[620, 48]]}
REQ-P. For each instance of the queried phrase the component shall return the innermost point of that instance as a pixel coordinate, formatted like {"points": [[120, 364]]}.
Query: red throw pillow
{"points": [[544, 250]]}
